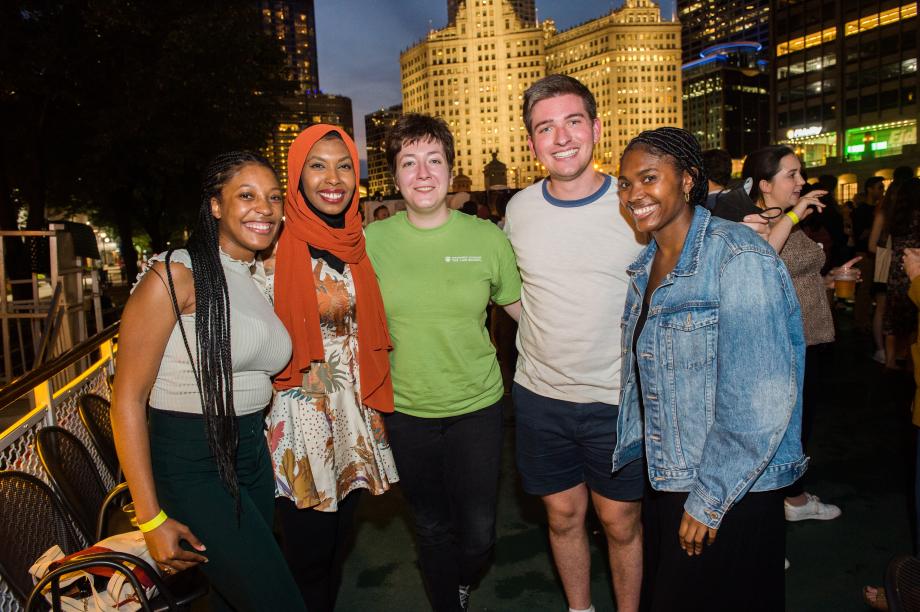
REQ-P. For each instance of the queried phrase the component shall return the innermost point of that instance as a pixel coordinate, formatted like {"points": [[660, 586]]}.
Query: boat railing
{"points": [[40, 398]]}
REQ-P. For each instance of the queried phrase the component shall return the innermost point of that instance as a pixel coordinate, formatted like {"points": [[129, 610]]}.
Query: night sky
{"points": [[359, 42]]}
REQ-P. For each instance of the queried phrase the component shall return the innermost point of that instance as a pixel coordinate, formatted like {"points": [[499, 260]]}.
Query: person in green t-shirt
{"points": [[438, 269]]}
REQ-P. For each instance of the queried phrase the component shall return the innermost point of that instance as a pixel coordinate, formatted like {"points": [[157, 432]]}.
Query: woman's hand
{"points": [[758, 224], [911, 261], [692, 533], [164, 544], [829, 277], [809, 203]]}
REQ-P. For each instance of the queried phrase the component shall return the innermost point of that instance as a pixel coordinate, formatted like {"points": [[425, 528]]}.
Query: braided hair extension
{"points": [[683, 147], [213, 369]]}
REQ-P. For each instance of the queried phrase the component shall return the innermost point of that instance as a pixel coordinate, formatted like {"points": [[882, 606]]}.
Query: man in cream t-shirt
{"points": [[573, 247]]}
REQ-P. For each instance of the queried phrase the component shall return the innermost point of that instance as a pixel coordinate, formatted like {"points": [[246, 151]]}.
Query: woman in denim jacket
{"points": [[712, 365]]}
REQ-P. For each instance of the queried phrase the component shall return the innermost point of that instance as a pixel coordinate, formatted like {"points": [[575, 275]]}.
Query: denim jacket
{"points": [[721, 359]]}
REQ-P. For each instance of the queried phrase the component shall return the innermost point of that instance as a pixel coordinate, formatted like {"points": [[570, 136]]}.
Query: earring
{"points": [[687, 197]]}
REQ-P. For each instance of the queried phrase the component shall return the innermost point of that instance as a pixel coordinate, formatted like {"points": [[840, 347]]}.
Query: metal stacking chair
{"points": [[76, 480], [115, 561], [902, 584], [32, 520], [94, 412]]}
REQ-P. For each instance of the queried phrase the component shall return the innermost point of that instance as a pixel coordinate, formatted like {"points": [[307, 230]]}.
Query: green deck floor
{"points": [[861, 460]]}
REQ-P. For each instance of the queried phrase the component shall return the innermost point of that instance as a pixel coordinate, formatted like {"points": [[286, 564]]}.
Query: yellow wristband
{"points": [[793, 217], [153, 523]]}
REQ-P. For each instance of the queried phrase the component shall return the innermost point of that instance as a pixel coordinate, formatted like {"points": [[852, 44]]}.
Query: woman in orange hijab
{"points": [[326, 433]]}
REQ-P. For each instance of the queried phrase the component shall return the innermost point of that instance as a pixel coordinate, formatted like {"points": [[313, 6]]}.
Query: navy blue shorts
{"points": [[562, 444]]}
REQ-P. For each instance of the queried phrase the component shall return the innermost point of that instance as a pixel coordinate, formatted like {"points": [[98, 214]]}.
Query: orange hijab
{"points": [[295, 290]]}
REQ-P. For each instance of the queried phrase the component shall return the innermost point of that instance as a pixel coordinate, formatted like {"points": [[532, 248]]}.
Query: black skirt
{"points": [[743, 570]]}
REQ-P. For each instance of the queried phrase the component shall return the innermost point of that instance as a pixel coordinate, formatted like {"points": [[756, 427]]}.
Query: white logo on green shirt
{"points": [[462, 258]]}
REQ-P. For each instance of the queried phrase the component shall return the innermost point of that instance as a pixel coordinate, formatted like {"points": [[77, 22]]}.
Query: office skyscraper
{"points": [[845, 86], [725, 73], [292, 23], [376, 125]]}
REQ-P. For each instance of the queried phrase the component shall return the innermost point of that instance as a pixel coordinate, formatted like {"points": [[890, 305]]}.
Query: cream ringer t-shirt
{"points": [[572, 256]]}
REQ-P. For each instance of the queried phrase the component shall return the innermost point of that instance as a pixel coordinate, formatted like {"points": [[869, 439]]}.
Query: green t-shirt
{"points": [[436, 286]]}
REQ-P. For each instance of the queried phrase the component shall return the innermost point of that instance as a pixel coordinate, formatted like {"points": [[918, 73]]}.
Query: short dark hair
{"points": [[415, 127], [763, 165], [827, 182], [557, 85], [379, 209], [902, 173], [871, 182], [718, 166]]}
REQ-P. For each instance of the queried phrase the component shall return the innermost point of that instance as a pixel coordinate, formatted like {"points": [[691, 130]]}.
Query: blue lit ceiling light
{"points": [[719, 53]]}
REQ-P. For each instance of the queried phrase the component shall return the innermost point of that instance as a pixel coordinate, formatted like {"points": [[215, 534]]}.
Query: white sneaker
{"points": [[879, 356], [787, 563], [811, 509], [464, 597]]}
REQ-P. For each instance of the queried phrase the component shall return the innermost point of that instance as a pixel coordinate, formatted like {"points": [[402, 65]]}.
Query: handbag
{"points": [[882, 262], [99, 588]]}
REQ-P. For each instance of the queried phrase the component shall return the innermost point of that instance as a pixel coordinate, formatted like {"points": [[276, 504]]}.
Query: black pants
{"points": [[314, 545], [742, 570], [816, 359], [245, 567], [448, 470]]}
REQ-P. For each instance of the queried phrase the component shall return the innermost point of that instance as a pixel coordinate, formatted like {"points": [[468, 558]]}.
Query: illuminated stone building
{"points": [[525, 10], [725, 49], [376, 125], [630, 60], [473, 73], [845, 86]]}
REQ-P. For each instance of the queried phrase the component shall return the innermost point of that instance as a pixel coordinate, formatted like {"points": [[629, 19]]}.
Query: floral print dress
{"points": [[324, 442]]}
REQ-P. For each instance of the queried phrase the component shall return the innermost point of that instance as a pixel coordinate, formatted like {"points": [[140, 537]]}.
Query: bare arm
{"points": [[146, 325], [514, 310], [878, 223], [782, 226]]}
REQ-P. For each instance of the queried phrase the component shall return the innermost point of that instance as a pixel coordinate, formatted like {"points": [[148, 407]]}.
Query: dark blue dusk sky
{"points": [[359, 42]]}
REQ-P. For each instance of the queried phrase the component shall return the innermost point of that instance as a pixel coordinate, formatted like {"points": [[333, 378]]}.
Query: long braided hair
{"points": [[213, 368], [683, 148]]}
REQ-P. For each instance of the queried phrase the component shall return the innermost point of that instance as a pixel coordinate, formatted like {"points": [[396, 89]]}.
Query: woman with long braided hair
{"points": [[200, 342], [713, 357]]}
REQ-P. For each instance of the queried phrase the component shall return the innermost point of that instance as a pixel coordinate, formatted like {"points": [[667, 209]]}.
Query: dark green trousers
{"points": [[245, 566]]}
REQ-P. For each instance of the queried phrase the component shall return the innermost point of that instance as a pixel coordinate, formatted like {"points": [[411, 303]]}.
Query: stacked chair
{"points": [[34, 516]]}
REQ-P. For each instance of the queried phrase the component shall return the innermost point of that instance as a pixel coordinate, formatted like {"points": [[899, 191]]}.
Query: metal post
{"points": [[44, 394], [97, 299], [81, 303], [53, 251], [107, 351], [7, 352]]}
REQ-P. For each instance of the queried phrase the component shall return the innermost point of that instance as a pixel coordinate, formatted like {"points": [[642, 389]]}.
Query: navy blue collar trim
{"points": [[576, 203]]}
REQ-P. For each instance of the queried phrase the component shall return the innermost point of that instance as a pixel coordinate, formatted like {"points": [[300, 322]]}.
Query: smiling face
{"points": [[328, 177], [423, 178], [653, 190], [563, 137], [784, 189], [248, 211]]}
